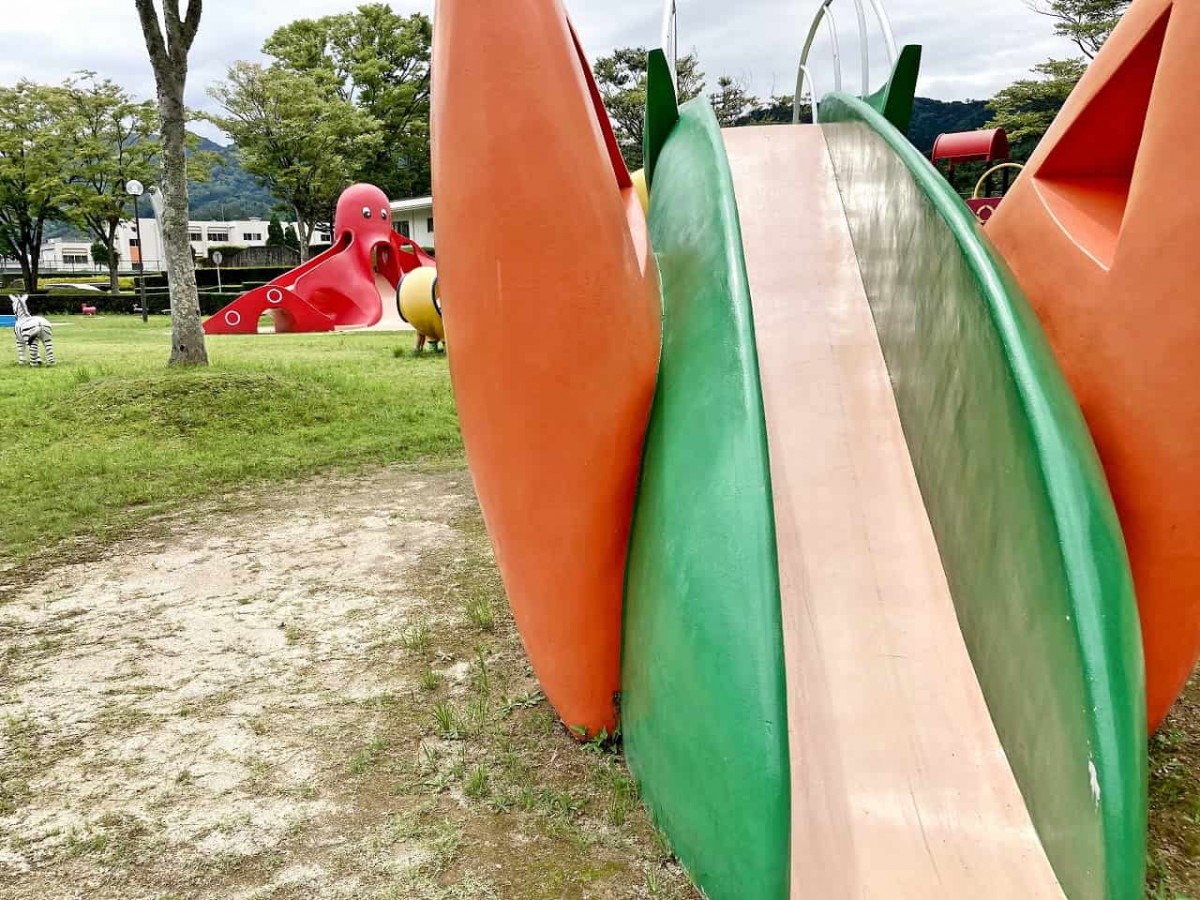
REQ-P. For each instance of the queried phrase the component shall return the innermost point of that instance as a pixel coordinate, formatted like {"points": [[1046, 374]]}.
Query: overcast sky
{"points": [[972, 47]]}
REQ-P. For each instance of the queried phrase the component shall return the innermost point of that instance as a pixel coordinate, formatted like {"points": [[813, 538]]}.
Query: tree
{"points": [[301, 141], [34, 151], [732, 103], [275, 232], [621, 78], [169, 59], [105, 255], [290, 239], [1087, 23], [111, 143], [379, 62], [1026, 108]]}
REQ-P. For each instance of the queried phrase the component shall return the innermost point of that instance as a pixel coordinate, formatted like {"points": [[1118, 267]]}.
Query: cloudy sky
{"points": [[972, 47]]}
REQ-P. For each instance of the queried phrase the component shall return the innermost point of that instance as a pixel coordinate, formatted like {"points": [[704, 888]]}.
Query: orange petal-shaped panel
{"points": [[552, 319], [1102, 233]]}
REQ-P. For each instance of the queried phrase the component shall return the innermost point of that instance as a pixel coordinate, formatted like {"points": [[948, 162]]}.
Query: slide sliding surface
{"points": [[900, 787]]}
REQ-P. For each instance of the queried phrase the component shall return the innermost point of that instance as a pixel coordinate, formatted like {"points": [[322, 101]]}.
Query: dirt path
{"points": [[322, 697]]}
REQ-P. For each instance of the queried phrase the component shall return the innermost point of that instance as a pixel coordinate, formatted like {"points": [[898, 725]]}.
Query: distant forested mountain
{"points": [[231, 193], [933, 117]]}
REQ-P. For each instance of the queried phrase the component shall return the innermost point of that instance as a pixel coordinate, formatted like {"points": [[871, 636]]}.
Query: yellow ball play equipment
{"points": [[643, 190], [421, 302]]}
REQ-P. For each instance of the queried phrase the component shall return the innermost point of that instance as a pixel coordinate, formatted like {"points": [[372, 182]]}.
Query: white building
{"points": [[413, 218], [64, 255], [205, 236]]}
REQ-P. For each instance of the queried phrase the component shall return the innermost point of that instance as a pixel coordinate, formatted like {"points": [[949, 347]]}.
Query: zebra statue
{"points": [[28, 330]]}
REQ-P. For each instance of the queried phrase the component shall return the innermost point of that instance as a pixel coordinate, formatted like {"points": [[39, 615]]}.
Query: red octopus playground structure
{"points": [[353, 284]]}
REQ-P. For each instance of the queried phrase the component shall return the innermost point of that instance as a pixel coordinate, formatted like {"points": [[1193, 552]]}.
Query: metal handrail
{"points": [[825, 13], [805, 74], [670, 39]]}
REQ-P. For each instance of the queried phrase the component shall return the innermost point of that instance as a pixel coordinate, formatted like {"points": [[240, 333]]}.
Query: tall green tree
{"points": [[304, 143], [378, 61], [1086, 23], [34, 179], [732, 103], [112, 141], [275, 232], [168, 42], [621, 77], [290, 239]]}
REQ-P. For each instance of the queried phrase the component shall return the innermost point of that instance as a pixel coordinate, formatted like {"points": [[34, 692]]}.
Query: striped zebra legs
{"points": [[20, 348], [35, 358], [49, 345]]}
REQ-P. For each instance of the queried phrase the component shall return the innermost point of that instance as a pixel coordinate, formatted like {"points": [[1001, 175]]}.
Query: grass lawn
{"points": [[110, 435]]}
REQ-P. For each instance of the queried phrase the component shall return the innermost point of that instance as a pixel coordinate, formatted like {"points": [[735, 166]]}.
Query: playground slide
{"points": [[554, 327], [932, 807], [352, 285], [961, 651]]}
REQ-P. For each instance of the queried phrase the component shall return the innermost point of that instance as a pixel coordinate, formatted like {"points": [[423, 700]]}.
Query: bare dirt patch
{"points": [[322, 696]]}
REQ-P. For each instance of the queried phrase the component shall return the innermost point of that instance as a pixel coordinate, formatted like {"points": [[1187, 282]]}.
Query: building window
{"points": [[195, 236], [219, 236], [402, 227], [321, 237], [251, 236], [75, 259], [429, 224], [134, 242]]}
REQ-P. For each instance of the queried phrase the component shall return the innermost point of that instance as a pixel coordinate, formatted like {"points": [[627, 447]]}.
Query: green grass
{"points": [[111, 436]]}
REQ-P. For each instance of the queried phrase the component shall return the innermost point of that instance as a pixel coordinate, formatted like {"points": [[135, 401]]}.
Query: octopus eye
{"points": [[366, 212], [383, 214]]}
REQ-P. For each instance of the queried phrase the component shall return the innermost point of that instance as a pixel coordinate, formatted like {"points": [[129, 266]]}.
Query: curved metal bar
{"points": [[822, 12], [670, 39], [864, 48], [825, 12], [812, 85], [837, 49], [885, 26]]}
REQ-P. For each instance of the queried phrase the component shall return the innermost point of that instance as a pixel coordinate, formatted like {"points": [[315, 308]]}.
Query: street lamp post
{"points": [[135, 189]]}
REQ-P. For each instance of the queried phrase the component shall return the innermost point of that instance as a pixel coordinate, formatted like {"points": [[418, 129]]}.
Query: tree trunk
{"points": [[168, 56], [27, 273], [110, 244], [302, 231], [187, 334]]}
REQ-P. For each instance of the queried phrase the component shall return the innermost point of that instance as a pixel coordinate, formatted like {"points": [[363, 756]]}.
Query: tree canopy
{"points": [[35, 152], [1087, 23], [621, 77], [112, 141], [305, 143], [379, 62]]}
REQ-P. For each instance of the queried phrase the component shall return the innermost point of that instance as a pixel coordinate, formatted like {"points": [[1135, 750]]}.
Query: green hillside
{"points": [[231, 193]]}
